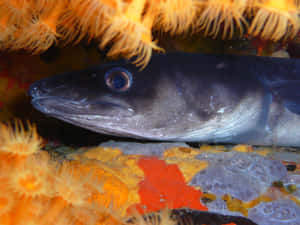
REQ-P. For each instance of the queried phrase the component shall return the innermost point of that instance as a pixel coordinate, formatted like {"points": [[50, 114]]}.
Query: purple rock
{"points": [[280, 212]]}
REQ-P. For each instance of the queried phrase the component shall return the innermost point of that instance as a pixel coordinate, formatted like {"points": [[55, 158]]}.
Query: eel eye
{"points": [[118, 79]]}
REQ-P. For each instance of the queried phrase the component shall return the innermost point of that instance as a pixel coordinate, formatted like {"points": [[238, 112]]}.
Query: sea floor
{"points": [[260, 183]]}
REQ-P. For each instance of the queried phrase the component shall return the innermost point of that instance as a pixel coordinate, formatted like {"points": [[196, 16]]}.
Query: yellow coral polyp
{"points": [[276, 19], [5, 28], [95, 14], [14, 139], [32, 177], [45, 5], [44, 28], [109, 190], [81, 215], [57, 209], [68, 186], [28, 184], [7, 199], [176, 16], [69, 28], [18, 11], [131, 33], [218, 13], [4, 205], [45, 37]]}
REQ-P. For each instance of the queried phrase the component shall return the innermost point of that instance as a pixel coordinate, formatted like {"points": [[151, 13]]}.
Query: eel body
{"points": [[182, 97]]}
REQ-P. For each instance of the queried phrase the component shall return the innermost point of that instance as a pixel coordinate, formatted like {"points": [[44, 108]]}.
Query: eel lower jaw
{"points": [[60, 107]]}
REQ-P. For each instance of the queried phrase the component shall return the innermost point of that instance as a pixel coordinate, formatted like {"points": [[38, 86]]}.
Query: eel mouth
{"points": [[104, 106], [77, 113]]}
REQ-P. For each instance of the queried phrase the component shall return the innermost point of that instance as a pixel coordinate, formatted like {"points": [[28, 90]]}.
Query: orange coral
{"points": [[5, 29], [44, 27], [164, 186], [130, 31], [86, 18], [276, 19], [69, 187], [7, 198], [37, 190], [175, 16], [19, 11], [34, 177], [222, 13], [125, 26], [17, 141], [93, 15]]}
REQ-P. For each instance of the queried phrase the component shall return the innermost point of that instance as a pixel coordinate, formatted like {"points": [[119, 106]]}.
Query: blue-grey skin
{"points": [[183, 97]]}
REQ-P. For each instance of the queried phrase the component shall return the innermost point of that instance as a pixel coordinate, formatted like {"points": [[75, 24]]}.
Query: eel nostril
{"points": [[35, 91]]}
